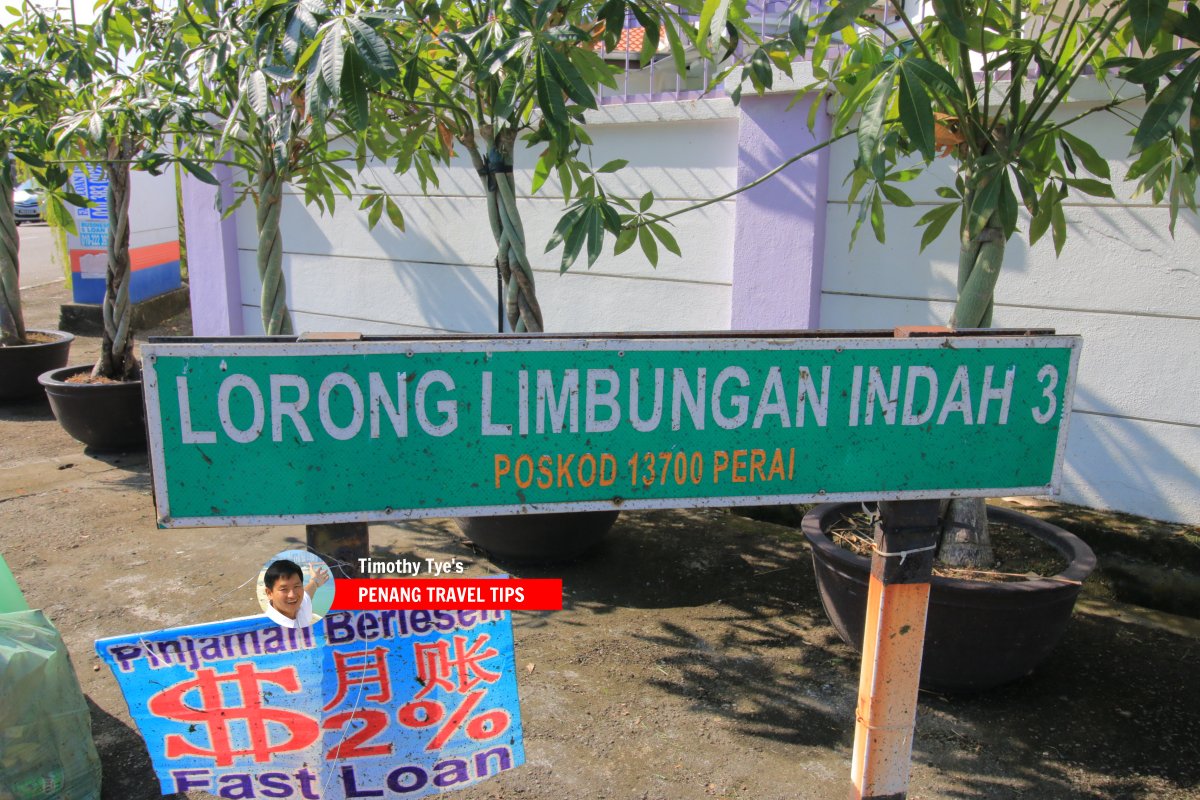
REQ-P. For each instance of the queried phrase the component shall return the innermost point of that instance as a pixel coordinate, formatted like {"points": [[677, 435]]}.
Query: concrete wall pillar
{"points": [[212, 250], [779, 230]]}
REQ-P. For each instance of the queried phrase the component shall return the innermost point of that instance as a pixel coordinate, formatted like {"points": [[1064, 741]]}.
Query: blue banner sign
{"points": [[378, 704]]}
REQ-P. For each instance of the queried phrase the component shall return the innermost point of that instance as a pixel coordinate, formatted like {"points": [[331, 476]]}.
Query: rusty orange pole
{"points": [[897, 603]]}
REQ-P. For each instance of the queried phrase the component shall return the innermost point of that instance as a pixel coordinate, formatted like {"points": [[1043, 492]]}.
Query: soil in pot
{"points": [[103, 415], [1019, 556], [538, 538], [979, 633], [20, 365]]}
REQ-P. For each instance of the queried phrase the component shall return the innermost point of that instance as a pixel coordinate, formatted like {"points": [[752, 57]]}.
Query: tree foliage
{"points": [[40, 60], [121, 115]]}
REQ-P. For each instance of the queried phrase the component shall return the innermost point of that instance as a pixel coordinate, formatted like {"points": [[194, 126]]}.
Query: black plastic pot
{"points": [[20, 365], [978, 634], [104, 416], [538, 538]]}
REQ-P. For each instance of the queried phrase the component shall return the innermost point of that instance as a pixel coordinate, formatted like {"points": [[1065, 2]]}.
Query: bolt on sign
{"points": [[360, 704], [262, 432]]}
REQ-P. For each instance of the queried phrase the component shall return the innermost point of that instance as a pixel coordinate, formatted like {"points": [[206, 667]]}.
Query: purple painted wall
{"points": [[779, 231], [212, 257]]}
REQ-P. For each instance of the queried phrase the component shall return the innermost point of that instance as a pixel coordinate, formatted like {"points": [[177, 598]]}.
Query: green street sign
{"points": [[282, 432]]}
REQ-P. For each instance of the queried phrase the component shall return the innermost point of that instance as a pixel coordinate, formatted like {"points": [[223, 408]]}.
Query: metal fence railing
{"points": [[660, 80]]}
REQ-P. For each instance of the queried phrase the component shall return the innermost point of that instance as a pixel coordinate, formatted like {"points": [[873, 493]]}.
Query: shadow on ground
{"points": [[128, 772]]}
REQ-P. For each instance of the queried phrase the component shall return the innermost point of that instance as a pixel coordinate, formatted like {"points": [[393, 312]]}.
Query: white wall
{"points": [[154, 209], [439, 274], [1122, 283], [1131, 291]]}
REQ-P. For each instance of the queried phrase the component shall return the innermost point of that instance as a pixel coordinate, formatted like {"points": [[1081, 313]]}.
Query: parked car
{"points": [[27, 202]]}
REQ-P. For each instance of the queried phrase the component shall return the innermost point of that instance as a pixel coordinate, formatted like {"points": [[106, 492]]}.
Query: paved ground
{"points": [[692, 659], [38, 266]]}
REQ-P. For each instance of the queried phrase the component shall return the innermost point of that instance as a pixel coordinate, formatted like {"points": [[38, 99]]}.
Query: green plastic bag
{"points": [[46, 748], [11, 598]]}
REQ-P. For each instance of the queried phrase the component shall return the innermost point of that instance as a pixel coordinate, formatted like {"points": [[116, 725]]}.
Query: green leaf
{"points": [[199, 172], [798, 33], [651, 28], [1008, 206], [1146, 17], [1093, 162], [1164, 111], [1058, 222], [592, 67], [375, 215], [895, 196], [1194, 127], [649, 246], [1028, 193], [371, 47], [646, 201], [595, 239], [625, 240], [843, 15], [877, 221], [665, 236], [1040, 222], [541, 171], [1153, 156], [542, 13], [935, 221], [870, 126], [678, 47], [948, 192], [565, 178], [354, 93], [394, 214], [612, 220], [506, 97], [713, 16], [1090, 186], [573, 244], [613, 14], [550, 101], [565, 224], [614, 165], [760, 69], [1148, 70], [950, 14], [332, 57], [256, 92], [520, 11], [916, 113], [568, 77], [935, 77]]}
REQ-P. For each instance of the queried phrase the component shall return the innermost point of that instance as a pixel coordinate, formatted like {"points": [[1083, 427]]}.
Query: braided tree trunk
{"points": [[520, 300], [275, 317], [12, 326], [116, 353], [965, 540]]}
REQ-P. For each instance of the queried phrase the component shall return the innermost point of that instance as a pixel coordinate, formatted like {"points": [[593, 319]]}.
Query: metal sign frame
{"points": [[789, 341]]}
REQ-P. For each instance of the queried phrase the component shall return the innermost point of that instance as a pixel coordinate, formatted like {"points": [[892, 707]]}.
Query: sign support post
{"points": [[897, 603]]}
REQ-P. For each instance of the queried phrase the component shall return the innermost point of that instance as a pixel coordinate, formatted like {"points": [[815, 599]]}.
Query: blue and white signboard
{"points": [[380, 704]]}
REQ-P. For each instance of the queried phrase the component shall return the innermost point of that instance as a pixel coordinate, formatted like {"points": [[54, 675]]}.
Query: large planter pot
{"points": [[104, 416], [538, 538], [20, 365], [979, 634]]}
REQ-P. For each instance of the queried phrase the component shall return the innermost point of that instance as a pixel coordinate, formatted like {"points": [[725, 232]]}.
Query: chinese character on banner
{"points": [[360, 704]]}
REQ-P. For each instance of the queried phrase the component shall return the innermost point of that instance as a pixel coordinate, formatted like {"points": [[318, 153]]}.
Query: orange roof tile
{"points": [[631, 41]]}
